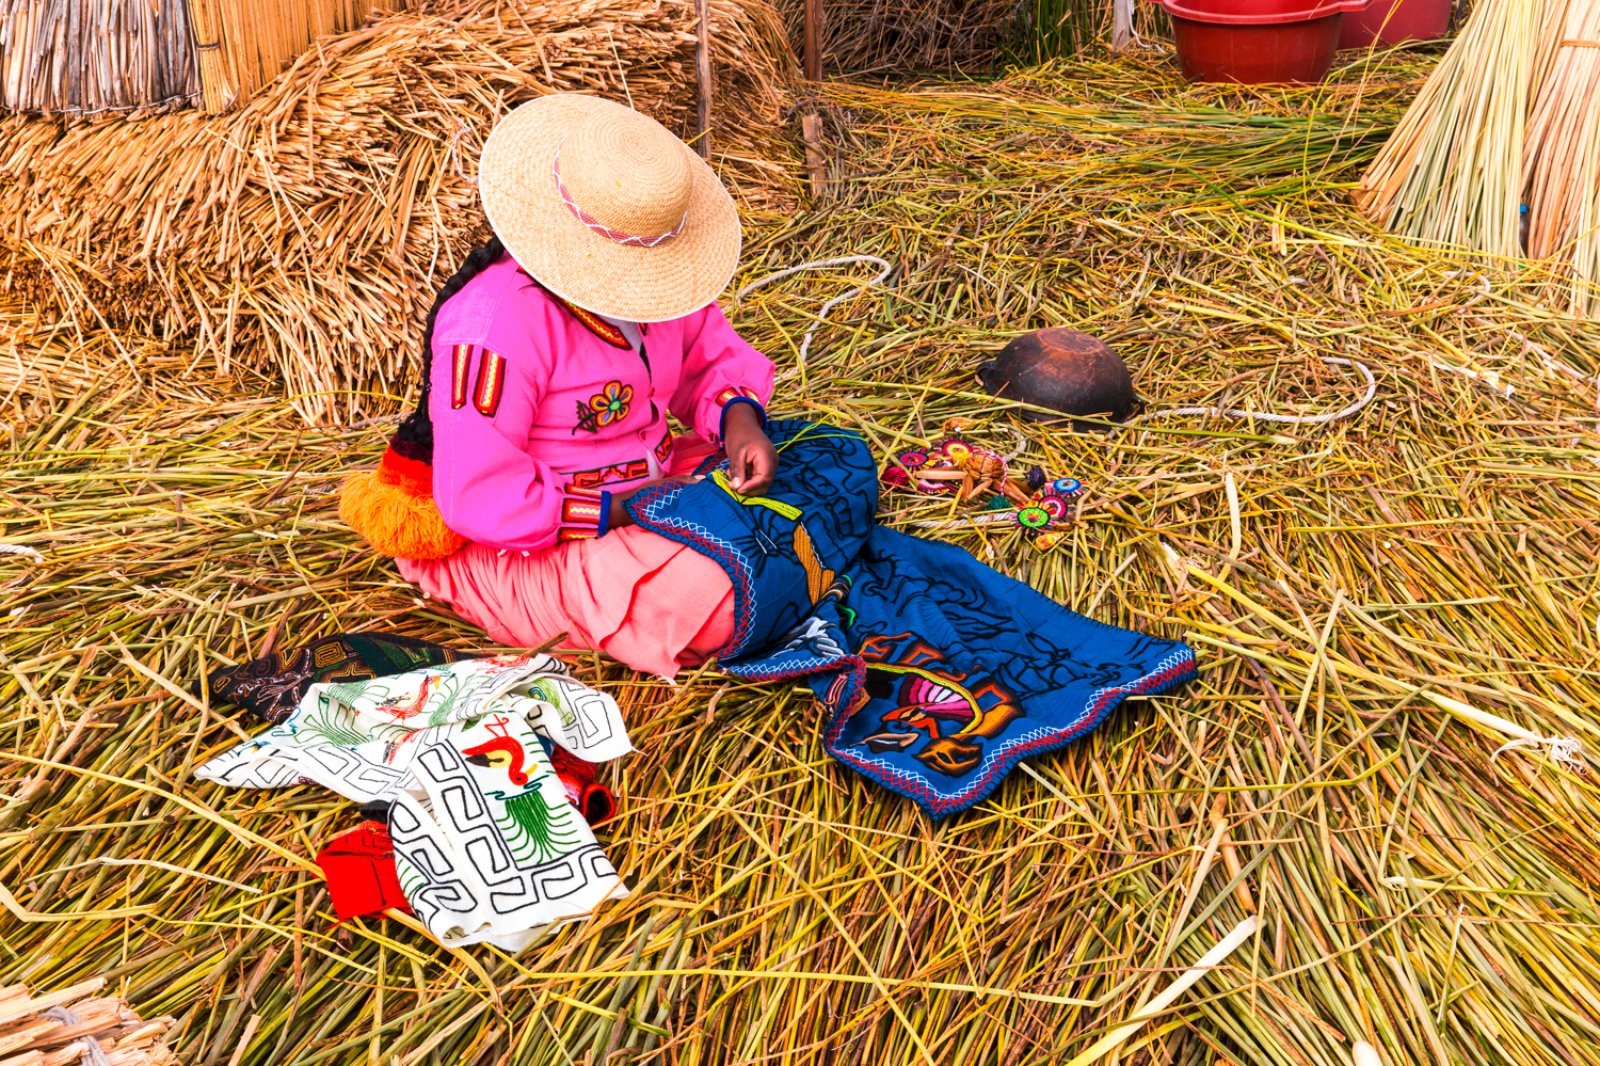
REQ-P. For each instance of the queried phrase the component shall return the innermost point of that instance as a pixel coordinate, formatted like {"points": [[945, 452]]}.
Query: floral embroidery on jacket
{"points": [[609, 405]]}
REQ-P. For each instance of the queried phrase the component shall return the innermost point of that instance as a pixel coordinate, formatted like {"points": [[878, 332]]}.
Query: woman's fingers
{"points": [[761, 467], [738, 466]]}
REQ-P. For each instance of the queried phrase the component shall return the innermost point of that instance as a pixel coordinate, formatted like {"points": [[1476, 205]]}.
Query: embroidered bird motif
{"points": [[500, 752], [402, 712]]}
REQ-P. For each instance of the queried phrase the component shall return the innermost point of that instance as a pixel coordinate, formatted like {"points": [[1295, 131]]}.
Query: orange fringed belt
{"points": [[392, 507]]}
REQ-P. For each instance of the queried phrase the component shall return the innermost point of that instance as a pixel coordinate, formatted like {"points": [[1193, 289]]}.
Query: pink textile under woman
{"points": [[638, 597]]}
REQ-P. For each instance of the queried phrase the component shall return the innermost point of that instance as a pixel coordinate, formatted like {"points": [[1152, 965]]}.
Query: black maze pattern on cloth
{"points": [[457, 852], [488, 847]]}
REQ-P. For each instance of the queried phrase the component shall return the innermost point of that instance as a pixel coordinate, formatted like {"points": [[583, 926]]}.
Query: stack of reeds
{"points": [[1562, 160], [307, 231], [1500, 153], [75, 1026], [67, 56], [901, 36], [1415, 892], [888, 37], [243, 44]]}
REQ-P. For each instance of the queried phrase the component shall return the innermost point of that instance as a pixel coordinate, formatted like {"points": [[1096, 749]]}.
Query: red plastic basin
{"points": [[1257, 12], [1394, 22], [1257, 41], [1286, 52]]}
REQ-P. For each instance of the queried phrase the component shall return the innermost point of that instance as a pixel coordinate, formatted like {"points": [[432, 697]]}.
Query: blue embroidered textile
{"points": [[940, 673]]}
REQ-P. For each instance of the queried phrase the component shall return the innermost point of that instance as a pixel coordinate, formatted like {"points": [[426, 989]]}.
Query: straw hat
{"points": [[607, 209]]}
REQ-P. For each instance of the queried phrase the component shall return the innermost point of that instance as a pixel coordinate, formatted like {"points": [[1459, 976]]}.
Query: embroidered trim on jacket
{"points": [[460, 368], [491, 383], [731, 393], [580, 514]]}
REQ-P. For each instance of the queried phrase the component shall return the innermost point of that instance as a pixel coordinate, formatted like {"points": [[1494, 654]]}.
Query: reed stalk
{"points": [[1417, 898], [76, 57]]}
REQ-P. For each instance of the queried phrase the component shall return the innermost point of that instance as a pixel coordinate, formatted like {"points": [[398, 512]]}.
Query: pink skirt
{"points": [[649, 603]]}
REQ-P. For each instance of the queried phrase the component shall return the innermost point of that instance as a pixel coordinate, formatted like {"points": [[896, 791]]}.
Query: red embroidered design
{"points": [[460, 364], [593, 479], [580, 514], [501, 751], [637, 470], [491, 383], [606, 231], [592, 322], [597, 325], [731, 393]]}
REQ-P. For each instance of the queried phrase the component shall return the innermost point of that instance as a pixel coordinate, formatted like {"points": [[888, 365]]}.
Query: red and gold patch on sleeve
{"points": [[491, 383], [460, 367], [731, 393]]}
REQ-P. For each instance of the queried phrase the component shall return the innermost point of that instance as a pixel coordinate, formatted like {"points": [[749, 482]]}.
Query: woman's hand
{"points": [[618, 515], [752, 460]]}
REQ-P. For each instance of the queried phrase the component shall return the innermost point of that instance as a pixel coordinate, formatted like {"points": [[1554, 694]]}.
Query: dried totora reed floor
{"points": [[1343, 583]]}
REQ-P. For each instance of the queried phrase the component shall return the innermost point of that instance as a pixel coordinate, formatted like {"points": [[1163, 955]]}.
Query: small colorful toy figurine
{"points": [[955, 465]]}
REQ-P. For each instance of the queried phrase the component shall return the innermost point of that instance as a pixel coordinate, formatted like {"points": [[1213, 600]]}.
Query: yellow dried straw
{"points": [[306, 232], [1413, 892]]}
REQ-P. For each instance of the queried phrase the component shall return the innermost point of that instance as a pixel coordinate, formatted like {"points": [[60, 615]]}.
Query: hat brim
{"points": [[516, 182]]}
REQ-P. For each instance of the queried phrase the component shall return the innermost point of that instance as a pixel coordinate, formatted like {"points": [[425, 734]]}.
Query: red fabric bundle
{"points": [[359, 868]]}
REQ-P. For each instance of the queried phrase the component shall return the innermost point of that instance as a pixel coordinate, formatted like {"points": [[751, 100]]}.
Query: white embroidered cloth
{"points": [[487, 847]]}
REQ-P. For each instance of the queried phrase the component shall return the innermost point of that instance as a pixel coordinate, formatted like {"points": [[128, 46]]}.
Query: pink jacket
{"points": [[540, 409]]}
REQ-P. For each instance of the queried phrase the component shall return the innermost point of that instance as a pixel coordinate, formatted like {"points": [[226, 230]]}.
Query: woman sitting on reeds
{"points": [[555, 355]]}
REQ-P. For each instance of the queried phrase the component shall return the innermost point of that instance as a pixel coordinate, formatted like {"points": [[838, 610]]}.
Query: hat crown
{"points": [[628, 173]]}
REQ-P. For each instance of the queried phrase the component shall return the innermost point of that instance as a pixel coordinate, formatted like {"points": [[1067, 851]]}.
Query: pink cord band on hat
{"points": [[600, 227]]}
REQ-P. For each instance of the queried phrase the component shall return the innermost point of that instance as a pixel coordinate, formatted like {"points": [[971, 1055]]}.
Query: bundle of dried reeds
{"points": [[1562, 157], [75, 1026], [906, 36], [1507, 123], [67, 56], [243, 44], [307, 231]]}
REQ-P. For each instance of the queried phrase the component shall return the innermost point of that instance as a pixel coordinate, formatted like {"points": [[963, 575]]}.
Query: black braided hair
{"points": [[414, 438]]}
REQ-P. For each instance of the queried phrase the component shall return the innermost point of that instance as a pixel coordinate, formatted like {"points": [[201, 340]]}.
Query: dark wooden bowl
{"points": [[1062, 370]]}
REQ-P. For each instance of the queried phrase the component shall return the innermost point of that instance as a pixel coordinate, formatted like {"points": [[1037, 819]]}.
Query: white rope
{"points": [[1291, 420], [22, 550], [1565, 751], [885, 268], [93, 1053]]}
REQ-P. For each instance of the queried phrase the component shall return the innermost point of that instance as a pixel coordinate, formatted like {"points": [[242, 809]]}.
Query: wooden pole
{"points": [[813, 45], [816, 161], [702, 63], [1121, 23]]}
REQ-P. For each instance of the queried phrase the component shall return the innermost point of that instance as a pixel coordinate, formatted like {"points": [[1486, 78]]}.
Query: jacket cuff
{"points": [[605, 515], [738, 397], [583, 514]]}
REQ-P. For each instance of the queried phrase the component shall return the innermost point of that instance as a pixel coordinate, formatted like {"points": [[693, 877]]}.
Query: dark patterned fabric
{"points": [[274, 684], [940, 673]]}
